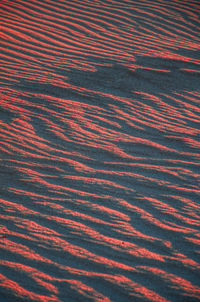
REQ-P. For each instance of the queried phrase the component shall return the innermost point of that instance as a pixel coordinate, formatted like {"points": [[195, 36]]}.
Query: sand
{"points": [[99, 151]]}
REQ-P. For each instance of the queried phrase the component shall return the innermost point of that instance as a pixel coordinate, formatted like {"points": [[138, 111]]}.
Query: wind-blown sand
{"points": [[99, 151]]}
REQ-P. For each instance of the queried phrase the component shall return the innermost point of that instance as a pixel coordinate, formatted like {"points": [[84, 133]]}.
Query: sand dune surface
{"points": [[99, 151]]}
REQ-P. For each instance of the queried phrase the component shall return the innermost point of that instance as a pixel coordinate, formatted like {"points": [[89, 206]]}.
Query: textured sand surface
{"points": [[99, 151]]}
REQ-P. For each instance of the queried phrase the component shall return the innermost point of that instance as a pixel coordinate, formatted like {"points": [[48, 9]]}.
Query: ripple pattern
{"points": [[99, 151]]}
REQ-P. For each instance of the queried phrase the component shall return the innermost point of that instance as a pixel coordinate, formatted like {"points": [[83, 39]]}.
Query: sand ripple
{"points": [[99, 150]]}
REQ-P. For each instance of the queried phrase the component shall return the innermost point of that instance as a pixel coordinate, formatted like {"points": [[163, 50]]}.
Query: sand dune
{"points": [[99, 150]]}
